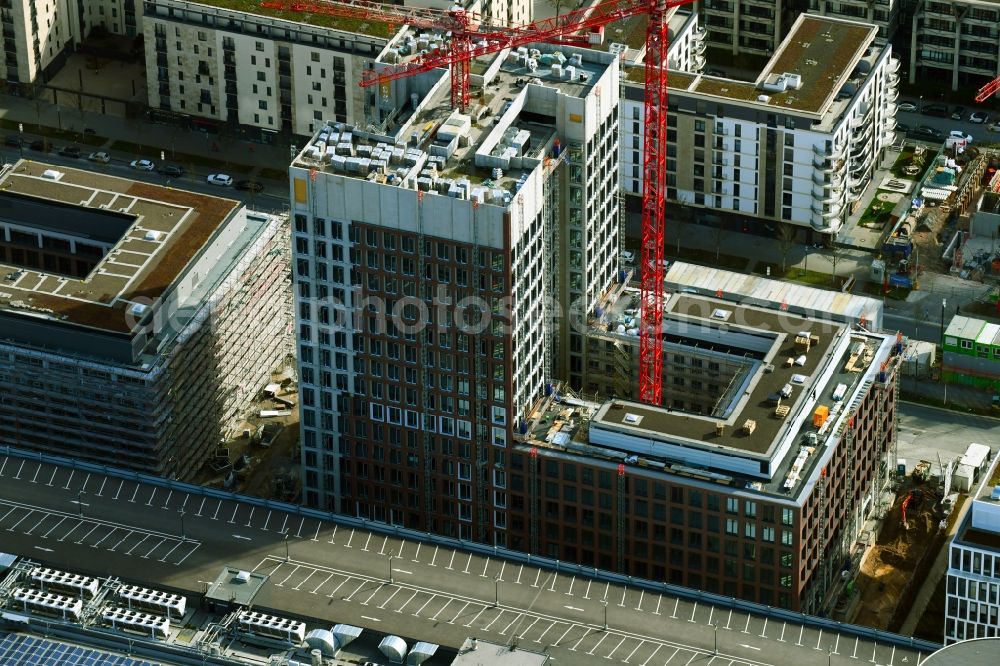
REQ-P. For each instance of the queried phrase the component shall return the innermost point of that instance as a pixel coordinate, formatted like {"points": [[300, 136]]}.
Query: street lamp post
{"points": [[715, 626], [79, 502], [286, 548], [390, 568], [496, 591], [604, 602], [183, 536], [20, 128]]}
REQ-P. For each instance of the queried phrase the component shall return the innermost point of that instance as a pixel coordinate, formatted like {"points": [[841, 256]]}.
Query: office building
{"points": [[797, 146], [136, 321], [754, 479], [957, 43], [971, 352], [485, 236], [36, 38], [972, 607]]}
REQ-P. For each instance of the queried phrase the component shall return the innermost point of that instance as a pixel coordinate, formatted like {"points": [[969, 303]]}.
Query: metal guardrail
{"points": [[689, 594]]}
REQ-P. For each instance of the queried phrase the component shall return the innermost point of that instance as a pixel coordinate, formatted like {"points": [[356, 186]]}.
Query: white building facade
{"points": [[797, 146], [35, 38], [972, 605]]}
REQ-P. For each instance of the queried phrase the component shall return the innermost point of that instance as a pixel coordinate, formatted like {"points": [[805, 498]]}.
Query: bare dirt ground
{"points": [[887, 573]]}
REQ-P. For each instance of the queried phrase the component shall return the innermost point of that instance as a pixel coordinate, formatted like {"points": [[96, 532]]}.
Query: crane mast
{"points": [[471, 38]]}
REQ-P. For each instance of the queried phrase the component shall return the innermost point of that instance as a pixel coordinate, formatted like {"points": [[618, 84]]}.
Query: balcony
{"points": [[820, 195], [700, 46], [698, 62], [859, 138], [888, 136], [893, 80], [890, 109], [892, 94]]}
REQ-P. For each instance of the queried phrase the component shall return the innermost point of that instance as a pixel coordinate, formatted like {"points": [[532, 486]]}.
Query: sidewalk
{"points": [[153, 138]]}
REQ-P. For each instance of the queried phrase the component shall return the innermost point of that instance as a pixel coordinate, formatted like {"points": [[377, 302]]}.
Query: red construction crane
{"points": [[988, 90], [470, 38]]}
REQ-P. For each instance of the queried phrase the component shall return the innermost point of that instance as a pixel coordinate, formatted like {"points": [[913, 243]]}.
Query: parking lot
{"points": [[179, 537]]}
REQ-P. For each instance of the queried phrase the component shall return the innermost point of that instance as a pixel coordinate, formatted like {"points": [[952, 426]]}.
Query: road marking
{"points": [[573, 608], [538, 574], [763, 632], [100, 491], [403, 571], [673, 616], [579, 640], [332, 536], [819, 640], [638, 606], [282, 583], [139, 543], [419, 610], [394, 593], [370, 597], [568, 629], [11, 528], [485, 567], [236, 508], [525, 632], [746, 629], [46, 535], [503, 566], [616, 647], [120, 486], [12, 510], [473, 620], [434, 558], [185, 502], [784, 625], [301, 524], [499, 615], [586, 593], [4, 466], [68, 481], [749, 647], [35, 526], [267, 520], [81, 522], [641, 643], [47, 550], [650, 657], [416, 555], [801, 631], [17, 477], [369, 617], [347, 578], [316, 589], [694, 610], [53, 477], [468, 563], [836, 645], [552, 588], [596, 645], [349, 539], [441, 610], [166, 502], [181, 561], [730, 618], [412, 596], [113, 530], [384, 542], [367, 541], [570, 590], [115, 547], [134, 493], [215, 516], [242, 538], [34, 479], [676, 650], [83, 488], [517, 618], [305, 579], [551, 625], [158, 544], [659, 600], [250, 518], [319, 524], [201, 506]]}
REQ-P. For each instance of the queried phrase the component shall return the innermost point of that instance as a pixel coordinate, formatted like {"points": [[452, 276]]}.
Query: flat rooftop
{"points": [[430, 145], [153, 232], [764, 341], [822, 50], [360, 26]]}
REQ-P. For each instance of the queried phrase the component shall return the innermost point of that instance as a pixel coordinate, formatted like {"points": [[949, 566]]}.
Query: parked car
{"points": [[958, 113], [714, 72], [40, 144], [89, 131], [959, 134], [979, 117], [12, 140], [940, 110], [249, 186], [100, 156], [142, 165], [220, 179], [70, 151], [925, 133], [909, 107], [172, 170], [901, 127], [995, 127]]}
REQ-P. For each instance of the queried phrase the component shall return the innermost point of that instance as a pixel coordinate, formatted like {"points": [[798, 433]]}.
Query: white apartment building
{"points": [[118, 17], [798, 145], [137, 322], [512, 204], [757, 27], [255, 72], [35, 38], [972, 607], [956, 41]]}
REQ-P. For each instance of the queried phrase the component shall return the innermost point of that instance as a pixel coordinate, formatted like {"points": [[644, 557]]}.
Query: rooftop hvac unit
{"points": [[62, 580], [134, 621], [272, 627], [154, 601], [48, 603]]}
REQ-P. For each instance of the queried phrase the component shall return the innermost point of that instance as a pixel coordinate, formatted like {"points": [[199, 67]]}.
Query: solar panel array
{"points": [[20, 650]]}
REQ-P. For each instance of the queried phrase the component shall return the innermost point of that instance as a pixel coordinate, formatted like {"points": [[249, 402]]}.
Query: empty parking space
{"points": [[77, 529]]}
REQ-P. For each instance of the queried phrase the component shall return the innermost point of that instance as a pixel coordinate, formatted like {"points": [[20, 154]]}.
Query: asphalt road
{"points": [[101, 525], [979, 132], [925, 433]]}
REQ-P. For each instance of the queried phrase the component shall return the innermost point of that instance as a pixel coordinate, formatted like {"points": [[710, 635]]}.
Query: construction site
{"points": [[915, 529]]}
